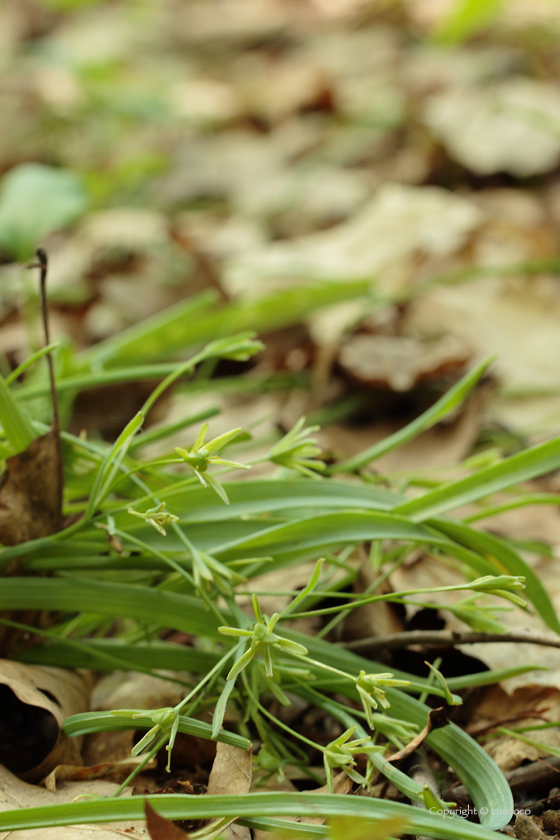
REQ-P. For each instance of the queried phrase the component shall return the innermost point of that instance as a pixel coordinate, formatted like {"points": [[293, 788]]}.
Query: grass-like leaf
{"points": [[276, 804], [538, 460], [88, 722], [437, 412]]}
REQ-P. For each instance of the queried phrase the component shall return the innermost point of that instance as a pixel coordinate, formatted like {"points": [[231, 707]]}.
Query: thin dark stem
{"points": [[43, 265], [374, 645]]}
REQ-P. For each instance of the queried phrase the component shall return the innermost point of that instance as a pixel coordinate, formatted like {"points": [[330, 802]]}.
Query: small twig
{"points": [[551, 803], [445, 638], [529, 778], [525, 714]]}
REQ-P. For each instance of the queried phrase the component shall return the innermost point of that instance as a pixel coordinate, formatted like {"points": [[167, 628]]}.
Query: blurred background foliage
{"points": [[373, 186]]}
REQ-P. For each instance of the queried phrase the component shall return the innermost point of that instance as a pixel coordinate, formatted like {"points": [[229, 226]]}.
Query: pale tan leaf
{"points": [[232, 773], [14, 794]]}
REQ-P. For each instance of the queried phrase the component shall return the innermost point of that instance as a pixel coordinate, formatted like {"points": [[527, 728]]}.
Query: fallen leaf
{"points": [[526, 706], [134, 690], [231, 774], [113, 771], [31, 492], [30, 507], [527, 829], [437, 718], [504, 127], [232, 771], [36, 701], [401, 362], [160, 828], [14, 793], [379, 241], [107, 747]]}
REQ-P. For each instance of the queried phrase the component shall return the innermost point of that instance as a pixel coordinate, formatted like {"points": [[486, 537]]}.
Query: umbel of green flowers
{"points": [[201, 455], [263, 639]]}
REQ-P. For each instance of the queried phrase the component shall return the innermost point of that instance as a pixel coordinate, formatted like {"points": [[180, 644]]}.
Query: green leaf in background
{"points": [[533, 462], [444, 406], [15, 422], [466, 18], [69, 5], [36, 200], [202, 318]]}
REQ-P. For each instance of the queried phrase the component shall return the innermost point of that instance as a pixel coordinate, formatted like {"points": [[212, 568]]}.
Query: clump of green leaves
{"points": [[191, 583]]}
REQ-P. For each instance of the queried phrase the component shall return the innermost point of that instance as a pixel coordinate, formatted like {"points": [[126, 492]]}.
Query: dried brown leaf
{"points": [[232, 773], [437, 718], [527, 829], [31, 492], [160, 828], [14, 794], [40, 699], [114, 771]]}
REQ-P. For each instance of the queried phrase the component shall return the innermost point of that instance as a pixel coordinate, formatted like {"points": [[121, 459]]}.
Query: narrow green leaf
{"points": [[200, 319], [256, 497], [276, 804], [153, 655], [533, 462], [512, 504], [88, 722], [444, 406], [546, 748], [466, 18], [17, 425], [221, 705], [30, 361], [115, 599], [332, 529], [314, 580], [504, 559], [112, 461], [491, 677]]}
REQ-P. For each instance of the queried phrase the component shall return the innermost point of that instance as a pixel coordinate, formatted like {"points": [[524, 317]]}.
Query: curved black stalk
{"points": [[43, 265]]}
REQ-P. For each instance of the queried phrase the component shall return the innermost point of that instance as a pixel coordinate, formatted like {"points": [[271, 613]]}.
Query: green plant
{"points": [[210, 554]]}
